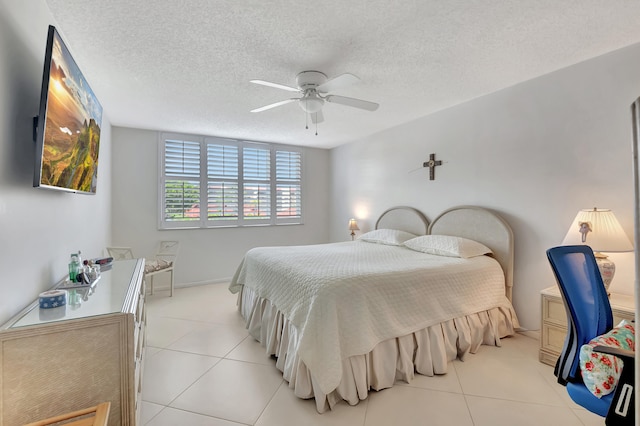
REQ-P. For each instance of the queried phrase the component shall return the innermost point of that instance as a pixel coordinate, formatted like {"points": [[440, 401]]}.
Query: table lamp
{"points": [[600, 230], [353, 227]]}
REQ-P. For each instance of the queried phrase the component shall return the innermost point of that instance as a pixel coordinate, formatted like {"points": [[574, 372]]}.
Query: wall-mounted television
{"points": [[68, 126]]}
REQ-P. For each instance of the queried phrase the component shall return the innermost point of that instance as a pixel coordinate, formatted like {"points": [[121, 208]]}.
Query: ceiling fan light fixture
{"points": [[311, 104], [316, 89]]}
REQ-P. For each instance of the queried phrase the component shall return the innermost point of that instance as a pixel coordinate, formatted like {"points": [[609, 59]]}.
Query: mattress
{"points": [[342, 299]]}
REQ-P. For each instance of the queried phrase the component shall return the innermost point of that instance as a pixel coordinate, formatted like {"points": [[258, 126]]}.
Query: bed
{"points": [[345, 318]]}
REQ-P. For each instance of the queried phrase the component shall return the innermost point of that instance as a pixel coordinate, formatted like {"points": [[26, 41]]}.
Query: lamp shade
{"points": [[353, 225], [599, 229]]}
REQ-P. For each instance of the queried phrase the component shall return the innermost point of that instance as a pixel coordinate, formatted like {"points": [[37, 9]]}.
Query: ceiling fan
{"points": [[314, 88]]}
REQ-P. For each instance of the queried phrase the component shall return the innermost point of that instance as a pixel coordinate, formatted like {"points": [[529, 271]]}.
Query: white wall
{"points": [[536, 153], [38, 228], [206, 255]]}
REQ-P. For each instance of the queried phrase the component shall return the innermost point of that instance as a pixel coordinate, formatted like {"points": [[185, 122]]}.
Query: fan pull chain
{"points": [[306, 121]]}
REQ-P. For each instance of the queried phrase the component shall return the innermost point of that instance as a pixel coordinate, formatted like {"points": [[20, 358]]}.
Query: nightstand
{"points": [[554, 321]]}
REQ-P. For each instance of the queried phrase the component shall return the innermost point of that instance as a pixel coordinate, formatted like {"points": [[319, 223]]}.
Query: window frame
{"points": [[203, 222]]}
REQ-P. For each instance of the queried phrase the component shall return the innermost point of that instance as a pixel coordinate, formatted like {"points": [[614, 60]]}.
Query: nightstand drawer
{"points": [[553, 311], [553, 337]]}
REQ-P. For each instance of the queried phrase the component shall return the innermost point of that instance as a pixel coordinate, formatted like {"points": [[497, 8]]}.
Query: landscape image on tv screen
{"points": [[71, 136]]}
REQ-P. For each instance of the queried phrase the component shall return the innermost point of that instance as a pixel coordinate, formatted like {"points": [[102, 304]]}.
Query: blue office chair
{"points": [[589, 315]]}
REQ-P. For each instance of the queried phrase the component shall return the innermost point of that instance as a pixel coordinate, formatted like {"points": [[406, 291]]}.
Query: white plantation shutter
{"points": [[288, 186], [222, 161], [257, 201], [256, 166], [181, 184], [241, 183], [222, 184]]}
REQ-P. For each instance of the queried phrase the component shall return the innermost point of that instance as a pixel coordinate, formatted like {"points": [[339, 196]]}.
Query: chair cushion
{"points": [[583, 397], [156, 265], [601, 372]]}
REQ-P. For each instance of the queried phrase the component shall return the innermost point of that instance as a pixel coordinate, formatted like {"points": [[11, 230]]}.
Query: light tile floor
{"points": [[202, 368]]}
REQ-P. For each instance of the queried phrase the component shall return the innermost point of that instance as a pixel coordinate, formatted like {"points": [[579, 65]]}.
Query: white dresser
{"points": [[92, 351]]}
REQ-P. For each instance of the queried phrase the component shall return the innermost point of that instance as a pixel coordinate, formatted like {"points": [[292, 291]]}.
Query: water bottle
{"points": [[74, 267]]}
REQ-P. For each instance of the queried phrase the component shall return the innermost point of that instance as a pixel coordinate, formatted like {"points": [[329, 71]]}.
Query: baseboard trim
{"points": [[534, 334], [206, 282], [193, 284]]}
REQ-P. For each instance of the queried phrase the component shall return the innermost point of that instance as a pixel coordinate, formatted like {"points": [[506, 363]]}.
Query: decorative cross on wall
{"points": [[431, 164]]}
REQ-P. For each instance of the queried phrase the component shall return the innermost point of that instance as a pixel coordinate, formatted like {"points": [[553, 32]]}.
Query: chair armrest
{"points": [[622, 353]]}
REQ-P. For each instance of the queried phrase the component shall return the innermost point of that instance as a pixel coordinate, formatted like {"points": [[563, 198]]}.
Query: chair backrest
{"points": [[120, 253], [586, 302], [169, 247]]}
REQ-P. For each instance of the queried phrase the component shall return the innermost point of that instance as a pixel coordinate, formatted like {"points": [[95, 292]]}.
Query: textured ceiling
{"points": [[185, 65]]}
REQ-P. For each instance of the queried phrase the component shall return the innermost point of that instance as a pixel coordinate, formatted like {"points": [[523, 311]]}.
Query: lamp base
{"points": [[607, 269]]}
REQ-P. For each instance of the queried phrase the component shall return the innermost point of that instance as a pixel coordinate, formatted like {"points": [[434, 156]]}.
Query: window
{"points": [[240, 183]]}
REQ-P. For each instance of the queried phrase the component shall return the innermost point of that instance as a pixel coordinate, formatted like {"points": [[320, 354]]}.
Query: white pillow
{"points": [[445, 245], [391, 237]]}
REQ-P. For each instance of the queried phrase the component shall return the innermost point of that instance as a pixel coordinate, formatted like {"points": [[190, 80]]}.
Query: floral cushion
{"points": [[601, 372], [156, 265]]}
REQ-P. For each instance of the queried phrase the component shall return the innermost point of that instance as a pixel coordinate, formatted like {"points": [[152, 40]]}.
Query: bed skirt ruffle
{"points": [[426, 351]]}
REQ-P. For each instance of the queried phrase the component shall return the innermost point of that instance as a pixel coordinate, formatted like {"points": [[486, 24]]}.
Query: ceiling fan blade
{"points": [[338, 82], [277, 104], [352, 102], [276, 85], [317, 117]]}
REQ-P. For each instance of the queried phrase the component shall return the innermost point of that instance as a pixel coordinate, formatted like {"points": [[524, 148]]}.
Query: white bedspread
{"points": [[345, 298]]}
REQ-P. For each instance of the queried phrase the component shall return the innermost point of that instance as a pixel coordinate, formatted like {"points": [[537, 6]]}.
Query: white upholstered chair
{"points": [[164, 261]]}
